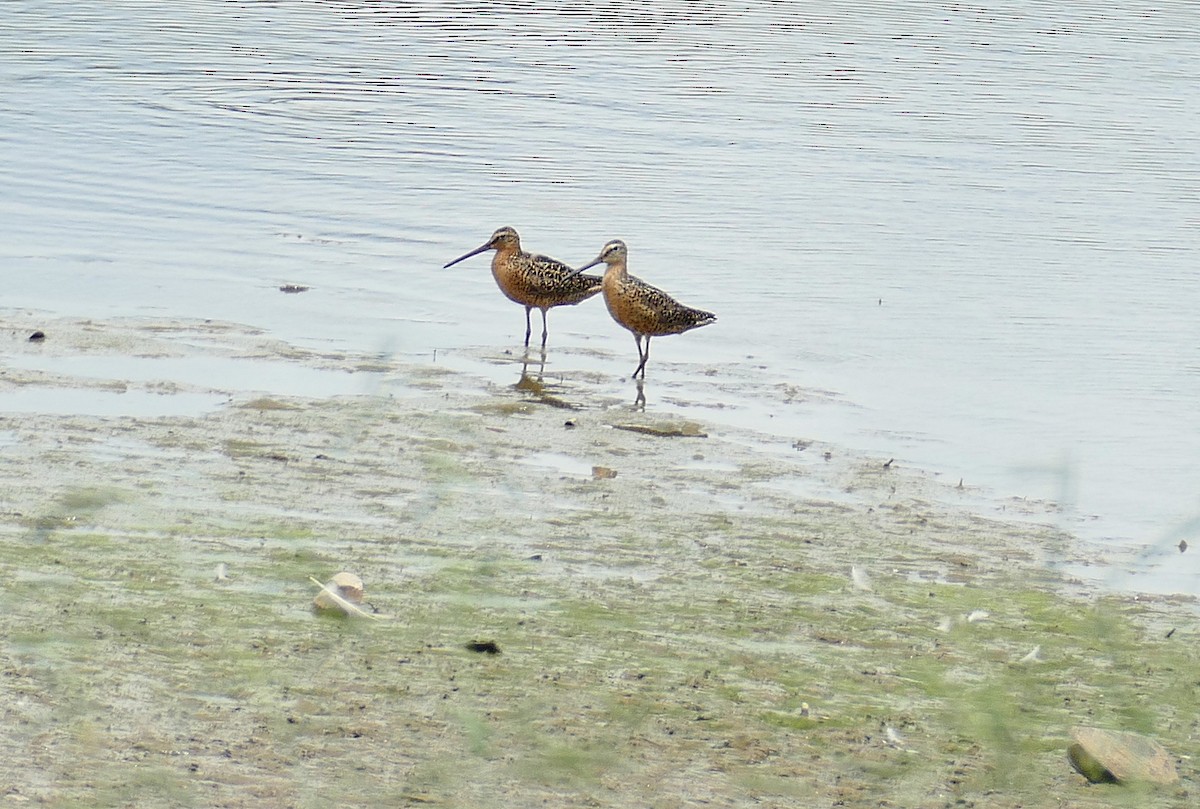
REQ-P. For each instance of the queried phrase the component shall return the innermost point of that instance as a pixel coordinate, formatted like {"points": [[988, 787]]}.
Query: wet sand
{"points": [[685, 615]]}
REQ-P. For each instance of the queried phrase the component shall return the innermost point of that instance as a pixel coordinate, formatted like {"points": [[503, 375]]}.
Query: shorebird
{"points": [[531, 280], [645, 310]]}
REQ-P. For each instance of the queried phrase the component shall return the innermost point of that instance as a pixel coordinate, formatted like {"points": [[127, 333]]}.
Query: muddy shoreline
{"points": [[687, 616]]}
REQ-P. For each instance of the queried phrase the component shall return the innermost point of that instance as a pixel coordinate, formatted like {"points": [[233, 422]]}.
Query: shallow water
{"points": [[210, 372], [90, 402], [967, 238]]}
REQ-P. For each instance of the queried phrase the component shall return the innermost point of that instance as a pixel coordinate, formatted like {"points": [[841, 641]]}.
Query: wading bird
{"points": [[531, 280], [645, 310]]}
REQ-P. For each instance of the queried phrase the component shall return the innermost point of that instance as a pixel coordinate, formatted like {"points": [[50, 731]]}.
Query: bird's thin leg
{"points": [[543, 330], [637, 338], [528, 327], [645, 356]]}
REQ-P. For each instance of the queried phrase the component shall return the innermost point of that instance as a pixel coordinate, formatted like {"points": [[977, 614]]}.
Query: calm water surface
{"points": [[977, 231]]}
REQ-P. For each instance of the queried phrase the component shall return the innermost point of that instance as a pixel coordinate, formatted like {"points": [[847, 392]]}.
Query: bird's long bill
{"points": [[474, 252], [578, 270]]}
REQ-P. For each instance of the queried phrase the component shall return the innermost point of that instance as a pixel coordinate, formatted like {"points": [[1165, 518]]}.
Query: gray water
{"points": [[964, 237]]}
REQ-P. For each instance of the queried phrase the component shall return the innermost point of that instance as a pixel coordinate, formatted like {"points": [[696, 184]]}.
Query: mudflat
{"points": [[574, 603]]}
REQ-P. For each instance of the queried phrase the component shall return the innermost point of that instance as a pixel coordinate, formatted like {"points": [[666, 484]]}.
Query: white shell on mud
{"points": [[347, 585]]}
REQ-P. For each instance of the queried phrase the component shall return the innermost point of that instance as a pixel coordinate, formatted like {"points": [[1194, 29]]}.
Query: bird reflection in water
{"points": [[528, 381]]}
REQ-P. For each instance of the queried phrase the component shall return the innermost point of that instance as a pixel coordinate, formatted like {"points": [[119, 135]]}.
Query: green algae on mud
{"points": [[662, 631]]}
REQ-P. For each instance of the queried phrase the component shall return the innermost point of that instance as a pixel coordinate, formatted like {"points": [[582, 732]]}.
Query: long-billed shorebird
{"points": [[645, 310], [531, 280]]}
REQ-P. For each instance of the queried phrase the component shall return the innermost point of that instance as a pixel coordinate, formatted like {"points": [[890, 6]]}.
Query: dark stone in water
{"points": [[484, 647]]}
